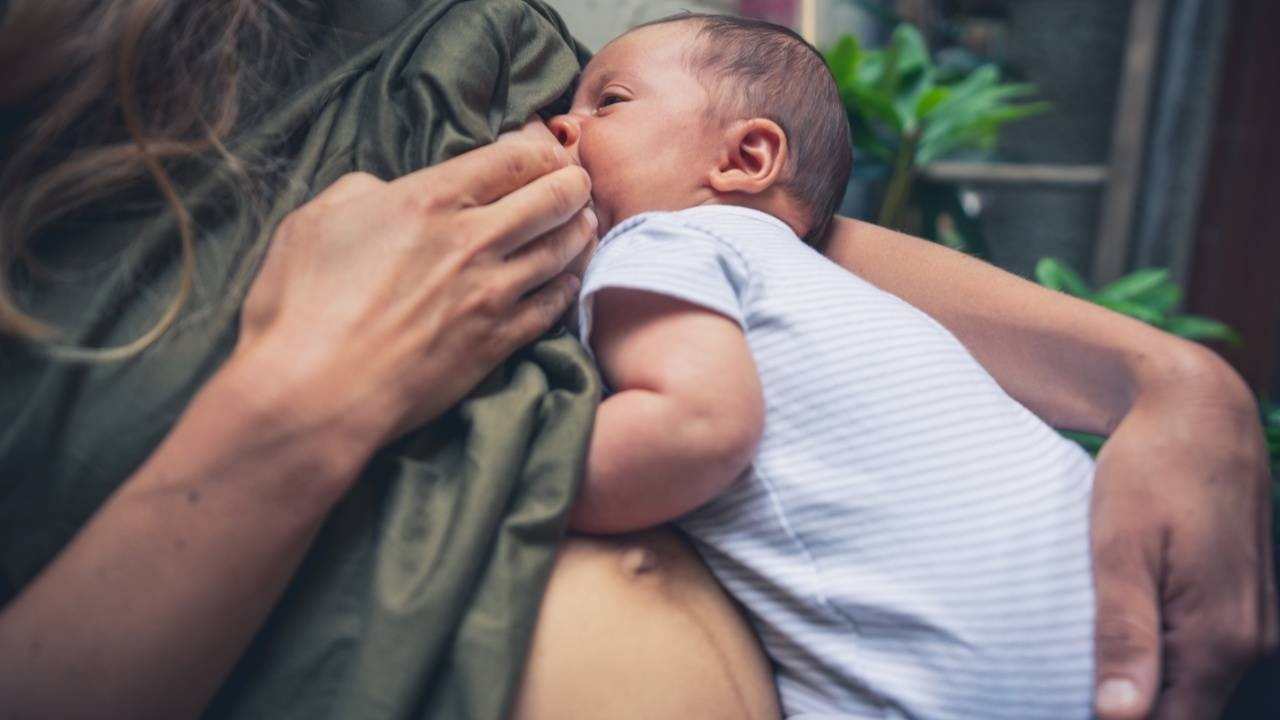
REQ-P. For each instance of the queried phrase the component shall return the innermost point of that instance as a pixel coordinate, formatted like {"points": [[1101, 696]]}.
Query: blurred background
{"points": [[1125, 151]]}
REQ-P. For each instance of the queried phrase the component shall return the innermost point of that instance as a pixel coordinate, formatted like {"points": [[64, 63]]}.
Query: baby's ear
{"points": [[752, 157]]}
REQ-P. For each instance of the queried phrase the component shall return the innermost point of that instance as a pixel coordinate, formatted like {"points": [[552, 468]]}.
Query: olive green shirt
{"points": [[419, 597]]}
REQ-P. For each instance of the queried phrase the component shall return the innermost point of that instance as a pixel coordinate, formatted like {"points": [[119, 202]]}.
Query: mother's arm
{"points": [[378, 306], [1181, 516]]}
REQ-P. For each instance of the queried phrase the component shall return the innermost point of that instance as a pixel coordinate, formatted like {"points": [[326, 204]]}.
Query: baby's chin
{"points": [[603, 215], [613, 214]]}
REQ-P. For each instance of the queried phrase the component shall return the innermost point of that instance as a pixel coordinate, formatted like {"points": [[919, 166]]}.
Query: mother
{"points": [[325, 469]]}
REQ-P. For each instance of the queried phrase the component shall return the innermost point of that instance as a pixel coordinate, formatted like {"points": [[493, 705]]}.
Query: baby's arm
{"points": [[685, 418]]}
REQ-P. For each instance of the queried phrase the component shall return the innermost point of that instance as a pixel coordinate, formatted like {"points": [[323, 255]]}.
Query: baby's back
{"points": [[909, 540]]}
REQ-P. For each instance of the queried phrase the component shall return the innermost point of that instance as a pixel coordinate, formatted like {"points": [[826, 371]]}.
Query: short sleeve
{"points": [[659, 254]]}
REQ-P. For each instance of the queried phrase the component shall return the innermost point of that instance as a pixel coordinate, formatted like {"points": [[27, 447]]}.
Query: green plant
{"points": [[903, 113], [1271, 426], [1147, 295]]}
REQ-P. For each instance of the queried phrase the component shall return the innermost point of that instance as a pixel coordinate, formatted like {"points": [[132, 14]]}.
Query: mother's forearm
{"points": [[1074, 364], [149, 607]]}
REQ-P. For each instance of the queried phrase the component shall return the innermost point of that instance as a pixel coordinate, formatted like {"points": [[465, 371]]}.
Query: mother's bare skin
{"points": [[634, 626]]}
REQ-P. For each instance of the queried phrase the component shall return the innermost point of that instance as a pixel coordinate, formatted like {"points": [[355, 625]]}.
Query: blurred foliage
{"points": [[905, 113], [1147, 295], [1271, 425], [1271, 428]]}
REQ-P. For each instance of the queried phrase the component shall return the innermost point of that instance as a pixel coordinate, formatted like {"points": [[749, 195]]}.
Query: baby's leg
{"points": [[635, 627]]}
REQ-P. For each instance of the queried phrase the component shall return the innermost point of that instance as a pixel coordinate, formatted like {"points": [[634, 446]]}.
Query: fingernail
{"points": [[1117, 695], [592, 220], [561, 155]]}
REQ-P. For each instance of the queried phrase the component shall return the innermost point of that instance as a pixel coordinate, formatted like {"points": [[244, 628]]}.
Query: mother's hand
{"points": [[1182, 550], [377, 306], [395, 298]]}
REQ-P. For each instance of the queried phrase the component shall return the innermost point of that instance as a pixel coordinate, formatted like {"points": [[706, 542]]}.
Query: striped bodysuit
{"points": [[909, 541]]}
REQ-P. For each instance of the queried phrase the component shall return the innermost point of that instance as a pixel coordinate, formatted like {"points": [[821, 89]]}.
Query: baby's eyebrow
{"points": [[595, 79]]}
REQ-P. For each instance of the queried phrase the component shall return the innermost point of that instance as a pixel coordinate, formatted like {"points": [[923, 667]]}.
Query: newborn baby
{"points": [[907, 539]]}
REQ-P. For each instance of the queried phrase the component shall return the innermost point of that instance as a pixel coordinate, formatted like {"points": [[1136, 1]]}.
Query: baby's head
{"points": [[707, 109]]}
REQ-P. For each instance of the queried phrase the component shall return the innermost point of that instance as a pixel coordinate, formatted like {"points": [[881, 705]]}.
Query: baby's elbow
{"points": [[744, 440], [727, 434]]}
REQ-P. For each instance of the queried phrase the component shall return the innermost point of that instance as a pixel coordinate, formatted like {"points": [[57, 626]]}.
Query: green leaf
{"points": [[1091, 443], [1057, 275], [843, 59], [872, 105], [871, 68], [1132, 286], [1009, 113], [911, 90], [964, 92], [1162, 297], [1147, 315], [906, 57], [867, 140], [941, 142], [929, 100], [1195, 327], [979, 94], [913, 52], [1271, 416], [973, 113], [887, 83]]}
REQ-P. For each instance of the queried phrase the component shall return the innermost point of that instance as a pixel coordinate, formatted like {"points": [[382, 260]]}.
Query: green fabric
{"points": [[419, 597]]}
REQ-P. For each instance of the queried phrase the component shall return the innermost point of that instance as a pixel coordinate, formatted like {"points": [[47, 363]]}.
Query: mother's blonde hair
{"points": [[103, 96]]}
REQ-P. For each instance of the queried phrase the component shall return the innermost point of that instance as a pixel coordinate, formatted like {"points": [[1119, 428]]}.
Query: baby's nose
{"points": [[566, 130]]}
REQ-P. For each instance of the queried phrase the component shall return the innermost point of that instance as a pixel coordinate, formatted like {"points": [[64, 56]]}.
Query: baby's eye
{"points": [[607, 100]]}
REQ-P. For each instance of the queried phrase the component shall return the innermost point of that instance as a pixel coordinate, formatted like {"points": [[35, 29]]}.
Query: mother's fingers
{"points": [[533, 130], [1127, 633], [483, 175], [1183, 703], [537, 312], [1197, 679], [536, 208], [543, 259], [349, 186]]}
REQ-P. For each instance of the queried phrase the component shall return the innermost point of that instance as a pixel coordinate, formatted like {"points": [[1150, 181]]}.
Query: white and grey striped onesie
{"points": [[909, 541]]}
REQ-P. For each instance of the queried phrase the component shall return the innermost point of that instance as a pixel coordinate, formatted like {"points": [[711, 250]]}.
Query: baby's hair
{"points": [[754, 68]]}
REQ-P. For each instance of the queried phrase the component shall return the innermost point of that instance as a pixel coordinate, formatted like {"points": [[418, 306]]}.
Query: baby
{"points": [[907, 539]]}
